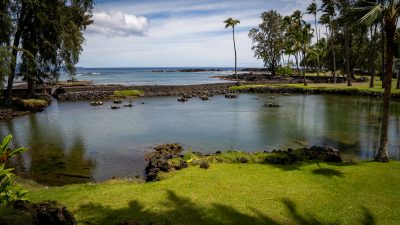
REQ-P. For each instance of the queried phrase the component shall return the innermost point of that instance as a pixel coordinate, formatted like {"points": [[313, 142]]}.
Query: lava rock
{"points": [[204, 165]]}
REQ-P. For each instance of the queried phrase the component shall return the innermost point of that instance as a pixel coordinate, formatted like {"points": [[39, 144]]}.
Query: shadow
{"points": [[307, 219], [179, 210], [369, 218], [328, 172]]}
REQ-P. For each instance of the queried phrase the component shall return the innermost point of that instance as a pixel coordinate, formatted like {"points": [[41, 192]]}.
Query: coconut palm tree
{"points": [[328, 9], [230, 22], [390, 11], [312, 10]]}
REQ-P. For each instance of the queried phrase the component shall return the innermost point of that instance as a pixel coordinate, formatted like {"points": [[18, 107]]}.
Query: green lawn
{"points": [[363, 193]]}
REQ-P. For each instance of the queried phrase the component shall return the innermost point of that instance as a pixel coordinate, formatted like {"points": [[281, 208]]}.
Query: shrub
{"points": [[284, 70], [8, 190]]}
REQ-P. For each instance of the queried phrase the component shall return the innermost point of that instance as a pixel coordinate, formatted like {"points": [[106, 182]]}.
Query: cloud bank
{"points": [[116, 23]]}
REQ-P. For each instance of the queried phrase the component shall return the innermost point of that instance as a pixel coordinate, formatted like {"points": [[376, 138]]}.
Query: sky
{"points": [[176, 33]]}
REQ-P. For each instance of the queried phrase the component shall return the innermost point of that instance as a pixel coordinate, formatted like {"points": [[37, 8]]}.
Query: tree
{"points": [[232, 23], [312, 9], [328, 8], [48, 36], [345, 6], [389, 11], [267, 39]]}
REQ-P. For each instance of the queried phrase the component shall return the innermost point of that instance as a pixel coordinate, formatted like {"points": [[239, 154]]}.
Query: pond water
{"points": [[74, 142]]}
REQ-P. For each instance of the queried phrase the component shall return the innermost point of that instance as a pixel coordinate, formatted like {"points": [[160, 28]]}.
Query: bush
{"points": [[9, 192], [284, 70]]}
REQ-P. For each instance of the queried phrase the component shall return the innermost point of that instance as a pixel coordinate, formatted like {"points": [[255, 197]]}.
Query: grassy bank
{"points": [[356, 88], [128, 93], [364, 193]]}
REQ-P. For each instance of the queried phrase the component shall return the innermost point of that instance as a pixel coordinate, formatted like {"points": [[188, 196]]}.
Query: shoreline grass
{"points": [[362, 87], [233, 193], [128, 93]]}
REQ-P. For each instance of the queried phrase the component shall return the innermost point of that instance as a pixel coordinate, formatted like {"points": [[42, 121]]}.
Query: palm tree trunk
{"points": [[234, 48], [333, 53], [30, 91], [383, 152], [304, 69], [316, 28], [297, 63], [383, 55], [398, 80], [373, 56], [346, 36]]}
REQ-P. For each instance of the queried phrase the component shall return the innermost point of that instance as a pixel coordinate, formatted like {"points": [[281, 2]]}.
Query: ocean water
{"points": [[148, 76]]}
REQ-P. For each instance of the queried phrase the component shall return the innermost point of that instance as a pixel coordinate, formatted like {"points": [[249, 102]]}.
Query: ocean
{"points": [[150, 76]]}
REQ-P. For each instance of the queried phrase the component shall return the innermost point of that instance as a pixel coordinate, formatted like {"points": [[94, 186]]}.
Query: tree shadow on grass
{"points": [[328, 172], [183, 211]]}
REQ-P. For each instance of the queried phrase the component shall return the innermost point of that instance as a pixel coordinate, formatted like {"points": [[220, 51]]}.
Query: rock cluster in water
{"points": [[317, 153], [158, 160]]}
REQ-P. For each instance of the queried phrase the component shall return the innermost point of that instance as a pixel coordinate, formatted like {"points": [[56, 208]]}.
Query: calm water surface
{"points": [[75, 142]]}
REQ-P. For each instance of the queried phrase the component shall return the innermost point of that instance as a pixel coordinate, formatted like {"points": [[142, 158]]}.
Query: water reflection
{"points": [[74, 142], [50, 160]]}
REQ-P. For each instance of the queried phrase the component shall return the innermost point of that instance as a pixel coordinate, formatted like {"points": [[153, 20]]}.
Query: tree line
{"points": [[39, 38], [359, 34], [345, 41]]}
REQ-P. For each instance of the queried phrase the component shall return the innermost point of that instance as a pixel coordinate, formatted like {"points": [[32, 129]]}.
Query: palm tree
{"points": [[328, 7], [312, 10], [232, 23], [390, 11]]}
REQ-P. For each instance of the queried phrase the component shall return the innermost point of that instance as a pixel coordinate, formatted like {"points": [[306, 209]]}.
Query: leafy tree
{"points": [[268, 39], [232, 23], [48, 35]]}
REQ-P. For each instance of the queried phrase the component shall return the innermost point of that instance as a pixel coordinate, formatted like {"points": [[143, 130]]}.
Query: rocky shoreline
{"points": [[168, 157], [105, 91], [322, 91]]}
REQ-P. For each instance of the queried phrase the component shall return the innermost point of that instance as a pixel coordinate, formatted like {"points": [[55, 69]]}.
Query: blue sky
{"points": [[167, 33]]}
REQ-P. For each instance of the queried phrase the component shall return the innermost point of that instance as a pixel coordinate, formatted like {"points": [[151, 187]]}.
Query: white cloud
{"points": [[115, 23], [180, 33]]}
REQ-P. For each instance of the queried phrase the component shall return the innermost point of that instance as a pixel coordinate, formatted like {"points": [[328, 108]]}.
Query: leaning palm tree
{"points": [[389, 10], [232, 23]]}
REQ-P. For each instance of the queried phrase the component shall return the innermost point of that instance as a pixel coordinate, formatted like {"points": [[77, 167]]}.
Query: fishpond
{"points": [[74, 142]]}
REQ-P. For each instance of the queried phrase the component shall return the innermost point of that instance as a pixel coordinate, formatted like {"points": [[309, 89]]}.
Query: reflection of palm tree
{"points": [[390, 11], [232, 23]]}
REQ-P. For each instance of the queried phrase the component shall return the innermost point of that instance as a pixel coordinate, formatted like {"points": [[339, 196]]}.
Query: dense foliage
{"points": [[8, 190], [44, 37]]}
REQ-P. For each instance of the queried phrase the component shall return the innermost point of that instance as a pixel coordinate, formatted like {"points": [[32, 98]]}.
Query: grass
{"points": [[364, 86], [128, 93], [228, 193], [31, 104]]}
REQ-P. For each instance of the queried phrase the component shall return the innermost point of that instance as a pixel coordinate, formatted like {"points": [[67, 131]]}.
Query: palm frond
{"points": [[371, 14]]}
